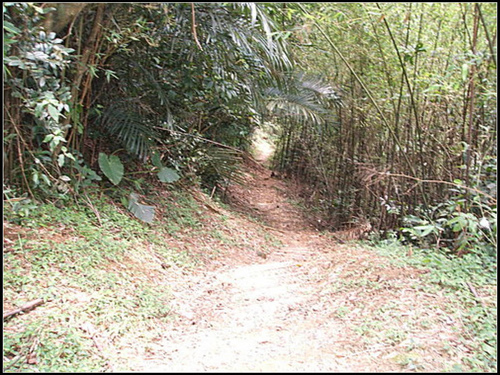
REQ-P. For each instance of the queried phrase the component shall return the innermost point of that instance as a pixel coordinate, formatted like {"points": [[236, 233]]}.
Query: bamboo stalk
{"points": [[490, 42], [368, 93], [410, 91]]}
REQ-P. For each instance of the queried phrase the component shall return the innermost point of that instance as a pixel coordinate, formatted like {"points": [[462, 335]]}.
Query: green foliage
{"points": [[217, 165], [112, 167], [162, 90], [44, 92], [85, 176], [40, 109], [130, 127], [20, 208], [168, 175], [450, 225], [144, 81], [304, 99], [178, 93]]}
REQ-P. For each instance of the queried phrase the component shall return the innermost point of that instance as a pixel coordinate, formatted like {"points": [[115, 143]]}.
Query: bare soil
{"points": [[309, 305]]}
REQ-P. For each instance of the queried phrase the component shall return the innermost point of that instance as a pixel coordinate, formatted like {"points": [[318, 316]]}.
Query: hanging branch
{"points": [[193, 22]]}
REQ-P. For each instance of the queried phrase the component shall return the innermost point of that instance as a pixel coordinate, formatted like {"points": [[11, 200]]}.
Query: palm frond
{"points": [[129, 126], [224, 163], [305, 99], [300, 105], [322, 89]]}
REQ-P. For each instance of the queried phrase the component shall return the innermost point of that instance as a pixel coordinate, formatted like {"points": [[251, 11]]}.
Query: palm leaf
{"points": [[304, 98], [323, 90], [130, 128], [299, 106], [225, 163]]}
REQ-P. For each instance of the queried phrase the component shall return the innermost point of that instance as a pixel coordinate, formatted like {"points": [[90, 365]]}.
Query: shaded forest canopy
{"points": [[387, 111]]}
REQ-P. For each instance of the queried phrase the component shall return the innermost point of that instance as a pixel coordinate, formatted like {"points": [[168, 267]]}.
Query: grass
{"points": [[85, 272], [467, 286], [66, 349], [415, 307]]}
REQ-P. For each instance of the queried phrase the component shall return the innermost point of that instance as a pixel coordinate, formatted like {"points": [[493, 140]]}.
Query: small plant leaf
{"points": [[168, 175], [424, 230], [156, 160], [140, 211], [54, 113], [112, 167]]}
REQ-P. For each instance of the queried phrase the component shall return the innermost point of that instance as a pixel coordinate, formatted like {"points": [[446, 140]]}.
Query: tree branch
{"points": [[419, 180]]}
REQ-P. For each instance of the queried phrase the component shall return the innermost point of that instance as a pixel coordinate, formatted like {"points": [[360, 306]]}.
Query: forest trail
{"points": [[285, 314]]}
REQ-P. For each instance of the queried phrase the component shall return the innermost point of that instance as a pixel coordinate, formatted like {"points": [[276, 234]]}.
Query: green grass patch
{"points": [[470, 284], [94, 265], [48, 346]]}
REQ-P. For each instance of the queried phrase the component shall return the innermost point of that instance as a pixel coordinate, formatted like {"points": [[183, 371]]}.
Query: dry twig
{"points": [[29, 306], [475, 293]]}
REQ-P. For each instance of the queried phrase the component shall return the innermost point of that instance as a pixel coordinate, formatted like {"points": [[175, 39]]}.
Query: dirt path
{"points": [[300, 309], [258, 317]]}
